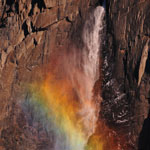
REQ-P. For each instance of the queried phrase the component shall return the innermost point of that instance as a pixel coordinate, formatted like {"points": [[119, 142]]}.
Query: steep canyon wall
{"points": [[31, 31], [126, 85]]}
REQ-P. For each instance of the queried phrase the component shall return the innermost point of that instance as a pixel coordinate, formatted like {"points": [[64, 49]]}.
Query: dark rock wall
{"points": [[125, 103]]}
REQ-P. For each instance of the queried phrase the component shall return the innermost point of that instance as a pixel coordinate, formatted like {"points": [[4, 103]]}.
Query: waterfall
{"points": [[92, 33], [82, 69]]}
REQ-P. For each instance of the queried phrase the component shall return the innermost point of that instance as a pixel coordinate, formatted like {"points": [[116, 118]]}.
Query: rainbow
{"points": [[56, 99]]}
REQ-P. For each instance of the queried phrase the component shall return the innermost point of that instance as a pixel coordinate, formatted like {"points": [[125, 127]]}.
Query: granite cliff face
{"points": [[31, 30], [126, 85]]}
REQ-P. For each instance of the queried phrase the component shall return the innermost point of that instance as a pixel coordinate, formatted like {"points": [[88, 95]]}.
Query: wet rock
{"points": [[127, 34]]}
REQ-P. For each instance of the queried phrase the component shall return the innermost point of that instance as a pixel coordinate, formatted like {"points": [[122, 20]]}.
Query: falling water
{"points": [[82, 69], [92, 33], [66, 95]]}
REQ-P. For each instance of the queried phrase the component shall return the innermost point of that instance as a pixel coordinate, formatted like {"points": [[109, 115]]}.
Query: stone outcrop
{"points": [[125, 104], [143, 62]]}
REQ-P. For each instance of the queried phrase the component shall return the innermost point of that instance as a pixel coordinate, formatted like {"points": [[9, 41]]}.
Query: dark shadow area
{"points": [[2, 23], [100, 2], [25, 29], [144, 138], [136, 70], [17, 7], [147, 69], [10, 4], [68, 20], [40, 4]]}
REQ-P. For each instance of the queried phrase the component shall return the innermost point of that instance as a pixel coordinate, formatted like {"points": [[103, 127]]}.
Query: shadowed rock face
{"points": [[125, 104]]}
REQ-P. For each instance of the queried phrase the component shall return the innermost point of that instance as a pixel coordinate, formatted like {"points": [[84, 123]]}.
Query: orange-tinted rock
{"points": [[50, 3], [46, 18]]}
